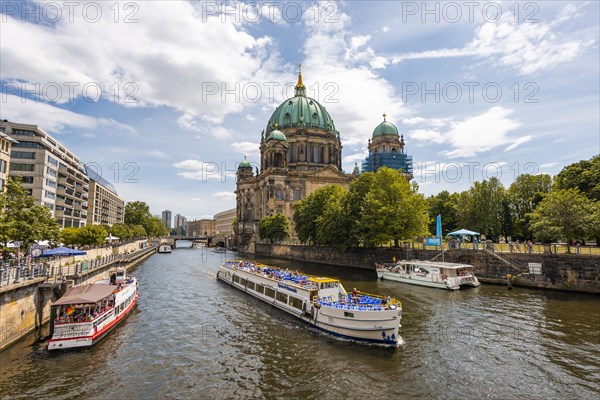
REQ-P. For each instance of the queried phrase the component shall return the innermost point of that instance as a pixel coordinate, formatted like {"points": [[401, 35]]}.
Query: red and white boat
{"points": [[86, 313]]}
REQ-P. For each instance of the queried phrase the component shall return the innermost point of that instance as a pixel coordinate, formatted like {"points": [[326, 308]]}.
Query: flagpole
{"points": [[439, 233]]}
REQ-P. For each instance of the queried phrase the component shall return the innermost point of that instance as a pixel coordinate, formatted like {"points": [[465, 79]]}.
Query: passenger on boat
{"points": [[355, 295]]}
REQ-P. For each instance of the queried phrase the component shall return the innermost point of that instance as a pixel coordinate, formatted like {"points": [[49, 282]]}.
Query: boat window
{"points": [[243, 281], [236, 279], [260, 288], [269, 292], [250, 285], [282, 297], [296, 302], [348, 314]]}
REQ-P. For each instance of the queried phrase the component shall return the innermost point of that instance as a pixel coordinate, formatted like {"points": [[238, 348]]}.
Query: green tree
{"points": [[69, 236], [121, 231], [309, 209], [138, 230], [333, 224], [446, 205], [524, 194], [483, 208], [23, 221], [583, 175], [563, 214], [392, 211], [137, 213], [274, 228], [353, 233], [155, 227]]}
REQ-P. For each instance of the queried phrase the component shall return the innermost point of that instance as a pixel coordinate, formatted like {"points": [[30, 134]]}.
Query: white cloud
{"points": [[157, 154], [526, 47], [204, 171], [518, 142], [248, 149], [352, 158], [349, 86], [413, 120], [426, 135], [224, 195], [169, 58], [481, 133], [55, 119], [385, 28]]}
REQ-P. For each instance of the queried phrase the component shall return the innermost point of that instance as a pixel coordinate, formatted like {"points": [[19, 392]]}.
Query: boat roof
{"points": [[86, 294], [437, 264], [321, 279]]}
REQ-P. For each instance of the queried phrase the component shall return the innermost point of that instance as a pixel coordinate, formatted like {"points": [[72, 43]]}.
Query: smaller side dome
{"points": [[244, 164], [385, 128], [277, 135]]}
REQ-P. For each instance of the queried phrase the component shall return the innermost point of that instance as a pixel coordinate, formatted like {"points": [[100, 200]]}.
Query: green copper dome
{"points": [[385, 128], [244, 164], [301, 112], [277, 135]]}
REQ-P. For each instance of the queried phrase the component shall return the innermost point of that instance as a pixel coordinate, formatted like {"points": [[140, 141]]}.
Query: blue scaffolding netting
{"points": [[392, 160]]}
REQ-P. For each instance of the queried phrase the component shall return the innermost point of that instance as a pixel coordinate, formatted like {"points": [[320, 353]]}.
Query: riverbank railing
{"points": [[521, 248], [18, 270]]}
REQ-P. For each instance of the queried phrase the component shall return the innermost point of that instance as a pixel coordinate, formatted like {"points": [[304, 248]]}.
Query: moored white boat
{"points": [[321, 302], [164, 248], [87, 313], [441, 275]]}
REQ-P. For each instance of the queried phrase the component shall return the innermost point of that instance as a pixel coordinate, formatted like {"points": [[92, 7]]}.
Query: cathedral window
{"points": [[278, 194], [297, 194]]}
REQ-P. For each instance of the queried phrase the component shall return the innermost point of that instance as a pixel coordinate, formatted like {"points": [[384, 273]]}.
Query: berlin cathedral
{"points": [[300, 152]]}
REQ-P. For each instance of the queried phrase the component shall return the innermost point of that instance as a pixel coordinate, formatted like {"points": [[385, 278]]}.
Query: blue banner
{"points": [[438, 226], [432, 241]]}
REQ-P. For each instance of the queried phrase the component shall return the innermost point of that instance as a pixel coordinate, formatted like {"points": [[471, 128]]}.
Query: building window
{"points": [[27, 179], [22, 167], [53, 161], [49, 195], [50, 183], [1, 184], [29, 145], [23, 132], [3, 165], [278, 194], [29, 155], [297, 194], [316, 154], [51, 172]]}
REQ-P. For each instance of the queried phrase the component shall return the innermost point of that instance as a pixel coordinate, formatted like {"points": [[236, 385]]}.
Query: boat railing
{"points": [[72, 330]]}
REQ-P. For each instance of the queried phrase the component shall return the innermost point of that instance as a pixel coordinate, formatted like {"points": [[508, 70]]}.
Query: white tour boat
{"points": [[164, 248], [321, 302], [86, 313], [441, 275]]}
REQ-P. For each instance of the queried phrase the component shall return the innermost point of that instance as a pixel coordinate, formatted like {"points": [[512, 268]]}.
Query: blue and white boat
{"points": [[319, 301]]}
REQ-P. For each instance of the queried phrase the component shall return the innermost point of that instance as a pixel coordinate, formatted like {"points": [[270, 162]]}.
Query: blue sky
{"points": [[164, 98]]}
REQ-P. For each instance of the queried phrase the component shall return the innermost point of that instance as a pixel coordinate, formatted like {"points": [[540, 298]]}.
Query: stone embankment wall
{"points": [[26, 306], [578, 273]]}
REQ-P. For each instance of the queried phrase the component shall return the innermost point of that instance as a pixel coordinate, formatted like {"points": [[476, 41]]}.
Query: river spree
{"points": [[193, 337]]}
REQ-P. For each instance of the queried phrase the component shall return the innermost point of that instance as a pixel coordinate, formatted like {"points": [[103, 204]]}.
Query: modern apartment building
{"points": [[5, 146], [106, 207], [51, 173], [167, 218], [180, 224], [202, 227], [224, 221]]}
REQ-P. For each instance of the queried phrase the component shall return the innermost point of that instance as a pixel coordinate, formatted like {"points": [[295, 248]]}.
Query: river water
{"points": [[192, 337]]}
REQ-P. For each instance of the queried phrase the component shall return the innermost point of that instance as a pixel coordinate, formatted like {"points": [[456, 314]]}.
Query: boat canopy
{"points": [[86, 294], [322, 280]]}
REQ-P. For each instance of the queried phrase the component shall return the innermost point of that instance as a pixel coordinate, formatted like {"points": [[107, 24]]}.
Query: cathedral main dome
{"points": [[301, 112]]}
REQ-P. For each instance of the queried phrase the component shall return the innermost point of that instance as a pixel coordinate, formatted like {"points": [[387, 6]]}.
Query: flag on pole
{"points": [[438, 227]]}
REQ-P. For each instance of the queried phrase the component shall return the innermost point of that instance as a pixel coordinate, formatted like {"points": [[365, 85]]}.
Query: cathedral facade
{"points": [[300, 152]]}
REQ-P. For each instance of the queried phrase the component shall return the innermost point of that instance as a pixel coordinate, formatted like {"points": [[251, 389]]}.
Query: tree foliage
{"points": [[483, 208], [21, 219], [392, 211], [138, 213], [524, 194], [564, 214], [378, 207], [583, 175], [446, 205], [274, 228]]}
